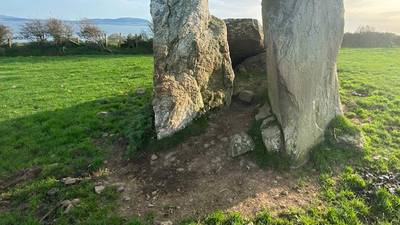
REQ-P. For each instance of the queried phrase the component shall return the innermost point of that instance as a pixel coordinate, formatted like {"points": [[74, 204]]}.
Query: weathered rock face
{"points": [[241, 144], [303, 39], [193, 70], [245, 37], [255, 65]]}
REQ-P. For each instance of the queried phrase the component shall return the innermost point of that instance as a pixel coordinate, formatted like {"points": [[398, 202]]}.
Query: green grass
{"points": [[64, 114]]}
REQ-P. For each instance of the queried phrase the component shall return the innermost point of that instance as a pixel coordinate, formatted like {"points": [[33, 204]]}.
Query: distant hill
{"points": [[125, 25]]}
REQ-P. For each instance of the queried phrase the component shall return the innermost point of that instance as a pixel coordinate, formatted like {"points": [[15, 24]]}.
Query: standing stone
{"points": [[245, 38], [193, 70], [303, 40]]}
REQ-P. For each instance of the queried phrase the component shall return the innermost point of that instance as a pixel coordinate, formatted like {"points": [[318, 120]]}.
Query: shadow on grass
{"points": [[61, 141]]}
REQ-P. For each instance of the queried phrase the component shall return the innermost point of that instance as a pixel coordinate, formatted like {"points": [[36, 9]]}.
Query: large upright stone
{"points": [[193, 71], [303, 39], [245, 38]]}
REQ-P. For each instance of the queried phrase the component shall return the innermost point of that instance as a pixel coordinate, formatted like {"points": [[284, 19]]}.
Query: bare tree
{"points": [[59, 30], [90, 32], [5, 33], [35, 30], [366, 29]]}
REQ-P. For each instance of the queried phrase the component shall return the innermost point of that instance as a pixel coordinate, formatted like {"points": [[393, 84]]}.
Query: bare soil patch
{"points": [[198, 177]]}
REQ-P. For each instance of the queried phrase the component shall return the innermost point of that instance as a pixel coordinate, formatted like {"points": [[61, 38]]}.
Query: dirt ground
{"points": [[198, 177]]}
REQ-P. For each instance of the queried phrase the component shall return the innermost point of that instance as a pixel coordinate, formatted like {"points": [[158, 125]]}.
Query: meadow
{"points": [[63, 116]]}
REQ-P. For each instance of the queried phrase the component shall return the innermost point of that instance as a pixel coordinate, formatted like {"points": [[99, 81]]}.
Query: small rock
{"points": [[121, 189], [263, 112], [53, 191], [392, 190], [284, 193], [75, 201], [267, 122], [99, 189], [103, 114], [224, 139], [168, 222], [126, 199], [272, 137], [206, 145], [69, 180], [68, 208], [140, 91], [180, 170], [354, 93], [246, 96], [65, 203], [154, 157], [241, 144]]}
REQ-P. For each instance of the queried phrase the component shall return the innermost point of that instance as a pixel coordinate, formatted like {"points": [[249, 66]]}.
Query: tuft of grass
{"points": [[353, 181], [341, 126]]}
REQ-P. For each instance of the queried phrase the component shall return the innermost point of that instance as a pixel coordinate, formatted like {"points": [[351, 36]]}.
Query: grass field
{"points": [[62, 114]]}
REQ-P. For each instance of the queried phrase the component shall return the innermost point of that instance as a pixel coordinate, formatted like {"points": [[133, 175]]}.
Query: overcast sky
{"points": [[384, 15]]}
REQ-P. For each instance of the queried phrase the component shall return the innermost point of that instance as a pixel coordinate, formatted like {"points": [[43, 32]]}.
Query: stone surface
{"points": [[168, 222], [193, 70], [251, 75], [303, 40], [99, 189], [246, 96], [255, 65], [154, 157], [271, 135], [70, 180], [263, 112], [245, 38], [241, 144], [348, 141]]}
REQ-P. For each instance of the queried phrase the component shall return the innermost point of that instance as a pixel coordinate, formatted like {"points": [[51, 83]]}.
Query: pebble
{"points": [[180, 170], [104, 113], [127, 199], [168, 222], [140, 91], [53, 191], [284, 193], [69, 180], [121, 189], [99, 189], [154, 157]]}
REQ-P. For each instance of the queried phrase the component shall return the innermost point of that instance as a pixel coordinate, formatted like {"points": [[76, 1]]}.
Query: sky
{"points": [[384, 15]]}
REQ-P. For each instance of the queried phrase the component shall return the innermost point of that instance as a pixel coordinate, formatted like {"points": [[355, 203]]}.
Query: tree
{"points": [[35, 30], [5, 33], [90, 32], [59, 30]]}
